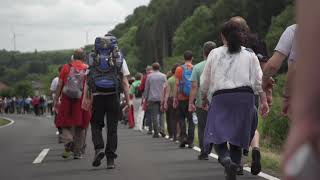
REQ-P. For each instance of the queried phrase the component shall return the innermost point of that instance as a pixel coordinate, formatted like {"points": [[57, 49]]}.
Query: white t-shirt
{"points": [[228, 71], [125, 70], [54, 84], [287, 43]]}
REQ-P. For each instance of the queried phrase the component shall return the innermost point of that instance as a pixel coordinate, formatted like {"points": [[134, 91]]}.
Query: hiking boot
{"points": [[66, 154], [110, 163], [156, 136], [77, 156], [182, 144], [163, 134], [256, 161], [97, 158], [190, 146], [230, 169], [203, 157], [240, 171]]}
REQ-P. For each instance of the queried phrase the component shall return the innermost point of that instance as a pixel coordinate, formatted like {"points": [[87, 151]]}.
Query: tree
{"points": [[193, 32], [23, 89]]}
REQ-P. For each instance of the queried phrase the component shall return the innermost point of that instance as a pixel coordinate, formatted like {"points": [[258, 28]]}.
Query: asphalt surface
{"points": [[140, 157]]}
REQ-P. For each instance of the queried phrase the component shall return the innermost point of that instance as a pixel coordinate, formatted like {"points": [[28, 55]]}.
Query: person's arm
{"points": [[273, 65], [147, 89], [125, 86], [178, 75], [205, 80], [192, 97], [256, 80]]}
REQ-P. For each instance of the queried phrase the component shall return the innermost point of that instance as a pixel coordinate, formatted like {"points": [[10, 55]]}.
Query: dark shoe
{"points": [[245, 152], [97, 158], [149, 133], [203, 157], [77, 156], [156, 136], [230, 169], [190, 146], [182, 145], [83, 149], [240, 171], [110, 163], [163, 134], [256, 162]]}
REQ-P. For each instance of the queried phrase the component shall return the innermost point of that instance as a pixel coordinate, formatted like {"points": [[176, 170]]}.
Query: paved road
{"points": [[140, 157]]}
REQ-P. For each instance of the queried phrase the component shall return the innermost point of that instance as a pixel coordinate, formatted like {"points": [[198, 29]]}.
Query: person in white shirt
{"points": [[231, 77]]}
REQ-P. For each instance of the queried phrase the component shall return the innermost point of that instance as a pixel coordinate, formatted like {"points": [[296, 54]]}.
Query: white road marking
{"points": [[41, 156], [263, 175], [11, 122]]}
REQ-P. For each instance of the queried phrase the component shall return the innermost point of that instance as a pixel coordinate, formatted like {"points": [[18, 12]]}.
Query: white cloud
{"points": [[59, 24]]}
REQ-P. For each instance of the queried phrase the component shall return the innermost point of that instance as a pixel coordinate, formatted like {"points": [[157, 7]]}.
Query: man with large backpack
{"points": [[181, 100], [107, 78]]}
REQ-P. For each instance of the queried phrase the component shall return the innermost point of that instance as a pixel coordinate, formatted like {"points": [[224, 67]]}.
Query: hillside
{"points": [[164, 29]]}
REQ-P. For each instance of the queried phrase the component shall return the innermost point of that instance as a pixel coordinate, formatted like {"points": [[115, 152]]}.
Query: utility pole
{"points": [[15, 35]]}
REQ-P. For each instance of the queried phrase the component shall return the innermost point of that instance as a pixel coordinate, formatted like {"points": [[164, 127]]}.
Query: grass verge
{"points": [[3, 122]]}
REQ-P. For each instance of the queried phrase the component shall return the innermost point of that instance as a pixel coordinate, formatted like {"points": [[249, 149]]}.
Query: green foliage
{"points": [[275, 128], [193, 32], [169, 62], [23, 89], [279, 24]]}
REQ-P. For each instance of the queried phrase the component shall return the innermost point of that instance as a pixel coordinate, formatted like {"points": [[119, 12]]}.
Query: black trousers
{"points": [[105, 106]]}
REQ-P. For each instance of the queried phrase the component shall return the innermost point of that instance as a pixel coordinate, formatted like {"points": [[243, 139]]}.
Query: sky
{"points": [[59, 24]]}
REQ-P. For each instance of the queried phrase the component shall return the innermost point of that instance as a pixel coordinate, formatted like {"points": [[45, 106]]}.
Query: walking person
{"points": [[137, 94], [71, 117], [195, 101], [53, 90], [181, 100], [171, 113], [106, 79], [258, 46], [230, 78], [147, 116], [153, 95]]}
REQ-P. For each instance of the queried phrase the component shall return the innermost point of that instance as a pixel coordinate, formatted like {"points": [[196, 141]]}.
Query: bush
{"points": [[274, 129]]}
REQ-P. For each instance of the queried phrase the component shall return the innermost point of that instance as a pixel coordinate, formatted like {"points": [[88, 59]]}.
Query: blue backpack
{"points": [[186, 81], [105, 64]]}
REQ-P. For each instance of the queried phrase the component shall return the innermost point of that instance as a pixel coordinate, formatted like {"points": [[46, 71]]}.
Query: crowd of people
{"points": [[39, 105], [221, 96]]}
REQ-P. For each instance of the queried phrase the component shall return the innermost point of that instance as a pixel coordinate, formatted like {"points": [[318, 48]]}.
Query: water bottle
{"points": [[194, 118]]}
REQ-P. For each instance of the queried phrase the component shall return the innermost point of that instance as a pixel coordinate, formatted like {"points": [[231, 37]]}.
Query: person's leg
{"points": [[236, 154], [67, 140], [97, 123], [161, 123], [191, 125], [256, 155], [113, 110], [202, 119], [169, 124], [226, 161], [182, 123], [154, 112], [79, 136]]}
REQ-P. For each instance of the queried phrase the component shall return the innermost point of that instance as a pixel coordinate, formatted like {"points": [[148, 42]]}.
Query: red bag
{"points": [[131, 117]]}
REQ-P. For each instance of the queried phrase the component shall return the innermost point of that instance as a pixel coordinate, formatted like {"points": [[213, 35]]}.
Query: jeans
{"points": [[202, 121], [105, 105], [157, 120], [235, 152], [183, 115]]}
